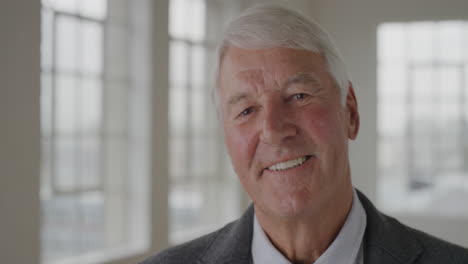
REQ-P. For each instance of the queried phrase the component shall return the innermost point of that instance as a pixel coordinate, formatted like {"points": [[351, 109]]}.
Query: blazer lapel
{"points": [[386, 241], [234, 245]]}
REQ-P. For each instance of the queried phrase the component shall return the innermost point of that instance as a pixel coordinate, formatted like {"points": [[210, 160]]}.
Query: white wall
{"points": [[302, 6], [19, 131]]}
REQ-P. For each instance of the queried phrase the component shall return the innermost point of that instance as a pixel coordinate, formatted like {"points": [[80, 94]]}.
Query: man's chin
{"points": [[286, 209]]}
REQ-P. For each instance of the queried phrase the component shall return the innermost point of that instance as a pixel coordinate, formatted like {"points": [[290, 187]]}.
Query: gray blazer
{"points": [[386, 241]]}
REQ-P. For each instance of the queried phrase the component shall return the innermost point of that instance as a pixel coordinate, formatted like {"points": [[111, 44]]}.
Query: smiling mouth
{"points": [[289, 164]]}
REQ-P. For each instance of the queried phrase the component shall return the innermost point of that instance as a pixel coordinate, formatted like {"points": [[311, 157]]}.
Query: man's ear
{"points": [[353, 112]]}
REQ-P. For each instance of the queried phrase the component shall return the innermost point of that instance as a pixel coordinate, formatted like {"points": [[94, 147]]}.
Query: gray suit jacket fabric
{"points": [[386, 241]]}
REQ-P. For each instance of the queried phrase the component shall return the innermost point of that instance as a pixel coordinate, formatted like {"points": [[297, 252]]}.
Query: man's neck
{"points": [[305, 239]]}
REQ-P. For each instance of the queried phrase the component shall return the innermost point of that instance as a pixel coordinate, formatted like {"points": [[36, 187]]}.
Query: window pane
{"points": [[65, 234], [392, 155], [187, 19], [92, 228], [391, 42], [90, 105], [185, 201], [67, 43], [195, 139], [89, 162], [66, 163], [422, 151], [199, 100], [392, 120], [66, 96], [451, 83], [450, 36], [91, 45], [422, 112], [178, 10], [179, 63], [178, 110], [421, 39], [197, 20], [198, 67], [392, 81], [421, 173], [95, 162], [58, 233], [450, 155], [200, 207], [450, 115], [422, 84]]}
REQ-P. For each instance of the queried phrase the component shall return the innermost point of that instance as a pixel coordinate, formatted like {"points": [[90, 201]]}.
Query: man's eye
{"points": [[246, 112], [299, 96]]}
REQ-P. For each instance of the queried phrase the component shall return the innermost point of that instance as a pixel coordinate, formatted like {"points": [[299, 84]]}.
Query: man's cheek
{"points": [[238, 149], [319, 127], [325, 125]]}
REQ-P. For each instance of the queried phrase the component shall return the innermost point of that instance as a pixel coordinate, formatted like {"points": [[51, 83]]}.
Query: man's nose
{"points": [[277, 126]]}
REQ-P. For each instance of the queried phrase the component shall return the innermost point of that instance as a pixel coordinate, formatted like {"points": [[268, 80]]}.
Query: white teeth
{"points": [[288, 164]]}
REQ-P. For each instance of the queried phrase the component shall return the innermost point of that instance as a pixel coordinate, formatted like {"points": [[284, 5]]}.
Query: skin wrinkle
{"points": [[300, 209], [301, 78]]}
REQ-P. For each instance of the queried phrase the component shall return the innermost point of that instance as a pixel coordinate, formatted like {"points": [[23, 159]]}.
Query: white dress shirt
{"points": [[345, 249]]}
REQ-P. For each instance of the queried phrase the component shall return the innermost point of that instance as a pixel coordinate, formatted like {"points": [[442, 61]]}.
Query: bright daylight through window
{"points": [[95, 134], [203, 192], [423, 117]]}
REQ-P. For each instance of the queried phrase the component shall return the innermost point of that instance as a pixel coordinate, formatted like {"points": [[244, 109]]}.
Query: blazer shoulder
{"points": [[438, 250], [188, 252], [230, 244], [389, 239]]}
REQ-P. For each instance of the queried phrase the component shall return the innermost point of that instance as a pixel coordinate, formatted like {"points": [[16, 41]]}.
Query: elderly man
{"points": [[288, 110]]}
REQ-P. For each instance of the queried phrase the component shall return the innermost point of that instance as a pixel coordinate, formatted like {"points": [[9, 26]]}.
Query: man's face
{"points": [[285, 129]]}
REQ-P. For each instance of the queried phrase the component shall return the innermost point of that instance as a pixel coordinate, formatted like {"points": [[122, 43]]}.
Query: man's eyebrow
{"points": [[303, 77], [236, 98]]}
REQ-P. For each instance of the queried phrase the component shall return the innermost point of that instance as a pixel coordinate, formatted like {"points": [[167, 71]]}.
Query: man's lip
{"points": [[308, 156]]}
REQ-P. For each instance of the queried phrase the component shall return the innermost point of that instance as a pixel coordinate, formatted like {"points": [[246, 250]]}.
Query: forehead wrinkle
{"points": [[249, 74], [245, 75], [254, 78], [302, 78]]}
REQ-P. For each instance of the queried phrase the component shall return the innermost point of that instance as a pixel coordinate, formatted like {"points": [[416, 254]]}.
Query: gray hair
{"points": [[267, 26]]}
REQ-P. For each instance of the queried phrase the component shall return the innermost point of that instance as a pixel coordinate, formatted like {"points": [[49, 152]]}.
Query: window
{"points": [[204, 194], [94, 130], [423, 117]]}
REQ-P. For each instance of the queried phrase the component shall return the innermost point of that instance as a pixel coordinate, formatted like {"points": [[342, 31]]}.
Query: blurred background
{"points": [[110, 146]]}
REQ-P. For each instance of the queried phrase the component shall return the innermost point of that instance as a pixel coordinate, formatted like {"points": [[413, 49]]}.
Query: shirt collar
{"points": [[344, 249]]}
